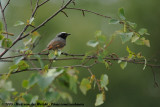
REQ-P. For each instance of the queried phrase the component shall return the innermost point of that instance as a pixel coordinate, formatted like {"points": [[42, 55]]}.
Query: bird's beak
{"points": [[68, 34]]}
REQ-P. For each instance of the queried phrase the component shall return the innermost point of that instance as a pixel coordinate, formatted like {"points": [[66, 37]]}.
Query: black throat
{"points": [[63, 36]]}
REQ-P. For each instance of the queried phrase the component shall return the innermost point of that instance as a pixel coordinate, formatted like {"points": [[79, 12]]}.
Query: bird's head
{"points": [[63, 35]]}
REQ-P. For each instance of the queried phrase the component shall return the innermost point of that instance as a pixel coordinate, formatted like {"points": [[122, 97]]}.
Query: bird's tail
{"points": [[45, 50]]}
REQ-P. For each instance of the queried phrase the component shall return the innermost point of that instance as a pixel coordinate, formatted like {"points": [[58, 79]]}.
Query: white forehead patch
{"points": [[63, 32]]}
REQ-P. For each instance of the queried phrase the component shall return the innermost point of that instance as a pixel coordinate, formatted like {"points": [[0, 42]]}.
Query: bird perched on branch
{"points": [[58, 42]]}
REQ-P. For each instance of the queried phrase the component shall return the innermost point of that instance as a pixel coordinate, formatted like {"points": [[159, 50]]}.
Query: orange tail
{"points": [[45, 50]]}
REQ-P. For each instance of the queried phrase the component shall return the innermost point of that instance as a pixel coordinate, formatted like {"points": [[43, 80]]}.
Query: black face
{"points": [[63, 35]]}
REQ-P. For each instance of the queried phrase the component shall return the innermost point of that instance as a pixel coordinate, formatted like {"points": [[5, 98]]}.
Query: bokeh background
{"points": [[131, 87]]}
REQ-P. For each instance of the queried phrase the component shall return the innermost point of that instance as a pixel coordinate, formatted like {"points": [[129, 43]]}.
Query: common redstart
{"points": [[58, 42]]}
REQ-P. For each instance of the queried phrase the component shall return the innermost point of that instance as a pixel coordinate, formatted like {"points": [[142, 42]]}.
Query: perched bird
{"points": [[58, 42]]}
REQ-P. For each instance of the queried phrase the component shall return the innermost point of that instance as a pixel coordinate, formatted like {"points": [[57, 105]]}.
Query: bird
{"points": [[58, 42]]}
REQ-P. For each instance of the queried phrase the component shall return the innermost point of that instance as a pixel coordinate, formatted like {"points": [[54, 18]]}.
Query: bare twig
{"points": [[80, 57], [6, 5], [43, 3], [11, 34], [31, 5], [47, 20], [64, 13], [3, 18], [99, 87], [62, 3], [154, 78], [38, 69], [25, 28], [84, 10]]}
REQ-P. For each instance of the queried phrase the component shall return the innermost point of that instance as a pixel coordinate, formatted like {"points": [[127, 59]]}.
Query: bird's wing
{"points": [[56, 45]]}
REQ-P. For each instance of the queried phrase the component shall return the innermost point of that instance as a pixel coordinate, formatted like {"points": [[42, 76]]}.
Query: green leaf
{"points": [[106, 64], [143, 31], [18, 23], [32, 80], [104, 81], [1, 26], [39, 60], [45, 68], [100, 58], [147, 43], [27, 97], [51, 54], [34, 100], [6, 42], [98, 33], [133, 25], [65, 96], [13, 68], [142, 41], [126, 37], [35, 35], [113, 21], [139, 42], [18, 59], [121, 14], [135, 38], [73, 83], [99, 99], [1, 37], [102, 38], [123, 65], [85, 86], [52, 96], [131, 54], [15, 93], [92, 43], [25, 84], [45, 80], [7, 86], [22, 65]]}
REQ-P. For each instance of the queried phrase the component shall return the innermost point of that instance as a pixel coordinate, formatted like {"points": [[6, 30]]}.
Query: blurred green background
{"points": [[131, 87]]}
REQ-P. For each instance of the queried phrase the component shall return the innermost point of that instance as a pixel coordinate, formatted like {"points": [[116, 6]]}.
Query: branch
{"points": [[43, 3], [6, 5], [38, 69], [11, 34], [79, 57], [25, 28], [3, 17], [154, 78], [84, 10], [47, 20], [31, 5]]}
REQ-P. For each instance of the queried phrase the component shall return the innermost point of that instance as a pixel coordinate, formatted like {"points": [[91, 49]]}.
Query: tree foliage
{"points": [[56, 83]]}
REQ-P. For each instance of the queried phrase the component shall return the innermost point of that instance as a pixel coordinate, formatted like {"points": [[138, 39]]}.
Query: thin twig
{"points": [[25, 28], [99, 87], [11, 34], [38, 69], [84, 10], [154, 78], [62, 3], [3, 18], [47, 20], [64, 13], [43, 3], [31, 5], [80, 57], [6, 5]]}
